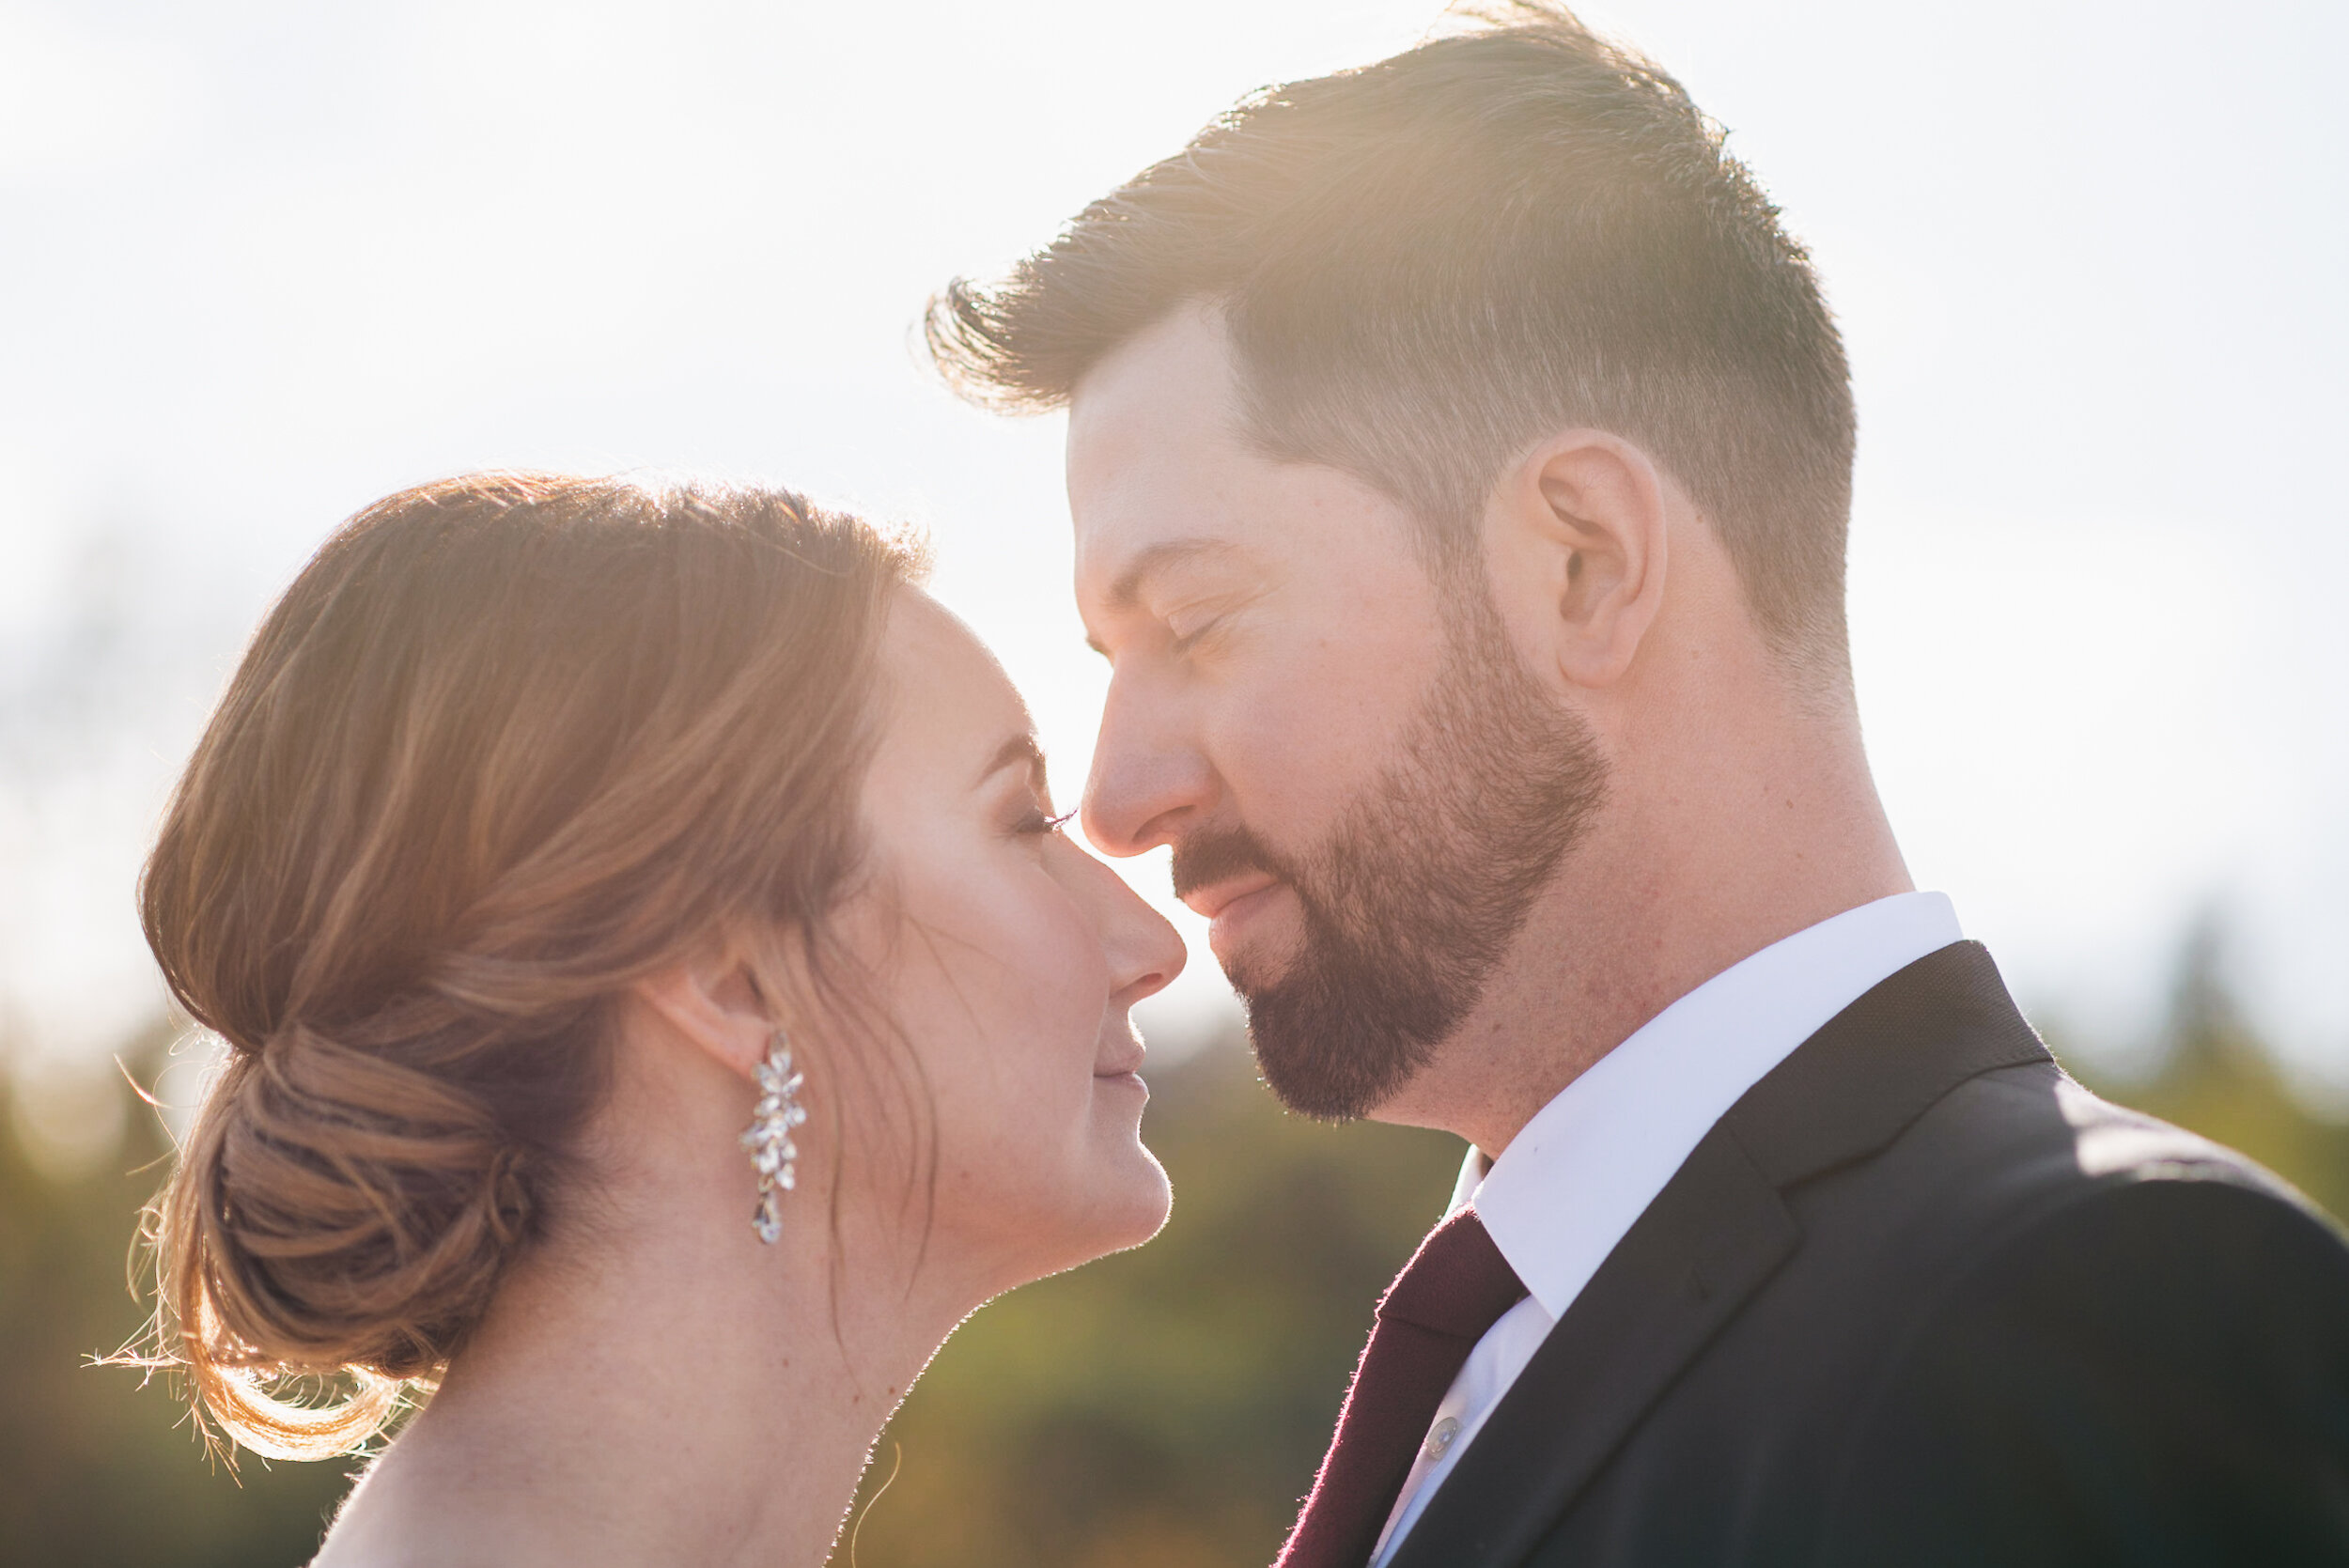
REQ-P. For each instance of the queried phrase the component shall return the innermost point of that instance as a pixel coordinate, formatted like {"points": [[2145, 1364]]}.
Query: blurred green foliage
{"points": [[1160, 1409], [95, 1469], [2215, 1076]]}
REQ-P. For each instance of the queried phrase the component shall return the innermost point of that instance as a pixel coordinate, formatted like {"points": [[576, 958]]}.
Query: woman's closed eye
{"points": [[1035, 822]]}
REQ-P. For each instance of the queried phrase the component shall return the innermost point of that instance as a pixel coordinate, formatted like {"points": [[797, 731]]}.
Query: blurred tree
{"points": [[2217, 1078], [1160, 1409]]}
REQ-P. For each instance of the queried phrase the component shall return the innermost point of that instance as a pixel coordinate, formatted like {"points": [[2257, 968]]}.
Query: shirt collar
{"points": [[1589, 1163]]}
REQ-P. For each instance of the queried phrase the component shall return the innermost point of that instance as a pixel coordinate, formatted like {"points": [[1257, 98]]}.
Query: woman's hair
{"points": [[510, 743]]}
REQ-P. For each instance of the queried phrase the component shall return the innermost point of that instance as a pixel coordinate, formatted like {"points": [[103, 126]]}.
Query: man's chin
{"points": [[1322, 1065], [1309, 1088], [1251, 975], [1260, 974]]}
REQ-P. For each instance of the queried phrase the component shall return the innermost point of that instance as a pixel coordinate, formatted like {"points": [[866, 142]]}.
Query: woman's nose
{"points": [[1145, 952]]}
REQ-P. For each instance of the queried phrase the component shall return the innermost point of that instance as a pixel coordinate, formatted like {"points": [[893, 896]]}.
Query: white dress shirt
{"points": [[1589, 1163]]}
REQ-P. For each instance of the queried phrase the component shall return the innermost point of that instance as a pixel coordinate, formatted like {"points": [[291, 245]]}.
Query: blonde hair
{"points": [[510, 743]]}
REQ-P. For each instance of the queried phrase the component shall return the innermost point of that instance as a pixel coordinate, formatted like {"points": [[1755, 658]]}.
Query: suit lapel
{"points": [[1710, 1239], [1708, 1242]]}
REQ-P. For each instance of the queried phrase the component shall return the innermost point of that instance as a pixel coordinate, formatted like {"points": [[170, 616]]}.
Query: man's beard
{"points": [[1418, 892]]}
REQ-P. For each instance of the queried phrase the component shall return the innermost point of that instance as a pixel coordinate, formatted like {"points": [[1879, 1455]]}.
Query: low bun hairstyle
{"points": [[507, 744]]}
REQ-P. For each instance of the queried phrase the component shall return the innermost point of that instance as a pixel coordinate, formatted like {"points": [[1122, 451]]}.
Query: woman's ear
{"points": [[710, 1002], [1583, 521]]}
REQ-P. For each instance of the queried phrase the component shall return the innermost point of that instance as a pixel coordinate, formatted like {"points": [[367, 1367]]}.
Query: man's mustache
{"points": [[1212, 855]]}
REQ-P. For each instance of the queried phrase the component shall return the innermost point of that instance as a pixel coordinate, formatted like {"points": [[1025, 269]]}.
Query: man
{"points": [[1460, 458]]}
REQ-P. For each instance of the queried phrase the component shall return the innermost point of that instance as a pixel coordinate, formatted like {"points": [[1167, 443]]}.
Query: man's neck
{"points": [[1655, 901]]}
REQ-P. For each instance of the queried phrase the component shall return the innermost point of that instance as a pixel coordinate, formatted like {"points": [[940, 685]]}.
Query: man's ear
{"points": [[1580, 550], [710, 1003]]}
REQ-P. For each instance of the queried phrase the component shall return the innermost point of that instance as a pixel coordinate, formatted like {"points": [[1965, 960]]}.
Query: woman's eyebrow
{"points": [[1020, 748]]}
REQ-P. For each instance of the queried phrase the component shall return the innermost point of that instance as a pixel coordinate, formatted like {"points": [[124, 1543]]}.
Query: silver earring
{"points": [[768, 1139]]}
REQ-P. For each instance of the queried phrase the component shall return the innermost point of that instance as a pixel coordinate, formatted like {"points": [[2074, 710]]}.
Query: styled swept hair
{"points": [[1427, 264]]}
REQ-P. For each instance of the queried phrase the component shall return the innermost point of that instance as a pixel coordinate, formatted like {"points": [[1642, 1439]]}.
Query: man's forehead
{"points": [[1178, 367], [1157, 405], [1156, 459]]}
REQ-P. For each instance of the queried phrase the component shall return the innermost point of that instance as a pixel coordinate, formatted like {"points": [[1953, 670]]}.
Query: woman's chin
{"points": [[1133, 1201], [1112, 1198], [1155, 1203]]}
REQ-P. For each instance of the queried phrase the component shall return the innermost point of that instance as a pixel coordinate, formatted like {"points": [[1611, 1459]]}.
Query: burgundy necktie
{"points": [[1456, 1287]]}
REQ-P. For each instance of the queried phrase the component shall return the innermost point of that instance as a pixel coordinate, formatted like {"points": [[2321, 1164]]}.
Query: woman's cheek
{"points": [[1010, 984]]}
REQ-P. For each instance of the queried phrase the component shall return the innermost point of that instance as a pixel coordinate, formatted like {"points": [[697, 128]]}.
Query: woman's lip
{"points": [[1128, 1077], [1234, 917], [1125, 1062]]}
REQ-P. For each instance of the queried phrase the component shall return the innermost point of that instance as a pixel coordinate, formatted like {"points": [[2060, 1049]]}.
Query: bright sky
{"points": [[262, 262]]}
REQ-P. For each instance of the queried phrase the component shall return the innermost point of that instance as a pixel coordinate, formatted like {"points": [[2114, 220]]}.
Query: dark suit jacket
{"points": [[1919, 1298]]}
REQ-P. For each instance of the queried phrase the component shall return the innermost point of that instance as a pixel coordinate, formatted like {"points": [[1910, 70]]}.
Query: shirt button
{"points": [[1440, 1438]]}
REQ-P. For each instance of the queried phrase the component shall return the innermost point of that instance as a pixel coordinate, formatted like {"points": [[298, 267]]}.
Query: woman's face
{"points": [[1010, 959]]}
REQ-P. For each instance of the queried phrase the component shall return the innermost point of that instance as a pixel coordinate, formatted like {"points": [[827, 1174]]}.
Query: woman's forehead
{"points": [[951, 701]]}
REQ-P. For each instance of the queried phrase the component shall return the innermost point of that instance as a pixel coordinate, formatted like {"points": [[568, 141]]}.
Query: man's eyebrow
{"points": [[1124, 593], [1018, 749]]}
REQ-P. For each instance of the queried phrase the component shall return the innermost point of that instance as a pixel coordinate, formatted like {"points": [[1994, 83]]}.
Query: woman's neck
{"points": [[663, 1398]]}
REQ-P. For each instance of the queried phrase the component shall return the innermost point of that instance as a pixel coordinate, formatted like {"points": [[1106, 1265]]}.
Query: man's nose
{"points": [[1150, 780]]}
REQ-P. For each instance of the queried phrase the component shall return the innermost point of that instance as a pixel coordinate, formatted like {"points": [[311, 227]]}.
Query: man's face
{"points": [[1364, 787]]}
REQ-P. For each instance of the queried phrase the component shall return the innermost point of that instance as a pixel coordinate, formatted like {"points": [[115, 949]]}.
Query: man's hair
{"points": [[1427, 264]]}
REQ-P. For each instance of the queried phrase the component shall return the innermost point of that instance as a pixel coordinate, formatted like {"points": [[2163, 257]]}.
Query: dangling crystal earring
{"points": [[768, 1139]]}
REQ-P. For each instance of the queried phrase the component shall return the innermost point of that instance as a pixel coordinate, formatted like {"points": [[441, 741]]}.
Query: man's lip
{"points": [[1210, 901], [1234, 915]]}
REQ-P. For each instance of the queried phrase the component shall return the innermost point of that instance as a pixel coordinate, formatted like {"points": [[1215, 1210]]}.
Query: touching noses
{"points": [[1149, 782]]}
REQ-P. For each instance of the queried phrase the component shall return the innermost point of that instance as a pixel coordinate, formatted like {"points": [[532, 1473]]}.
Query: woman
{"points": [[663, 1007]]}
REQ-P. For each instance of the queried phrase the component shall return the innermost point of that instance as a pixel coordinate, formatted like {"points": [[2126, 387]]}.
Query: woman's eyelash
{"points": [[1036, 822]]}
